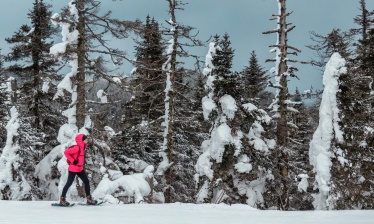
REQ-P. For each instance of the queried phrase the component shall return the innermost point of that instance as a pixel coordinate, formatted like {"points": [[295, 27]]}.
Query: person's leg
{"points": [[86, 182], [69, 182]]}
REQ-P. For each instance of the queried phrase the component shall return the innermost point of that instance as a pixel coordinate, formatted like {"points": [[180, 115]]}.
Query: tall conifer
{"points": [[255, 81]]}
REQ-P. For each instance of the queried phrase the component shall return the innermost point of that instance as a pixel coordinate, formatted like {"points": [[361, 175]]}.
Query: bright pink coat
{"points": [[72, 154]]}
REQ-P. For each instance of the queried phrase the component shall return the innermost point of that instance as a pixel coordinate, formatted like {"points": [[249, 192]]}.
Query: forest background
{"points": [[181, 114]]}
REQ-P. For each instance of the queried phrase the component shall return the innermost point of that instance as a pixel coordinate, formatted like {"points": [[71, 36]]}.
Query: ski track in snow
{"points": [[40, 212]]}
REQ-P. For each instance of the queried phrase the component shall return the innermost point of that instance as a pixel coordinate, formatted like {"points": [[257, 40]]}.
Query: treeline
{"points": [[213, 135]]}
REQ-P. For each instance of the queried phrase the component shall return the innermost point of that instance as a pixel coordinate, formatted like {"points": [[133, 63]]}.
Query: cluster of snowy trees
{"points": [[168, 133]]}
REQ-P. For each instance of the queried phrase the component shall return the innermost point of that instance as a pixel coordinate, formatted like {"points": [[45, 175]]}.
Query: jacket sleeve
{"points": [[69, 152]]}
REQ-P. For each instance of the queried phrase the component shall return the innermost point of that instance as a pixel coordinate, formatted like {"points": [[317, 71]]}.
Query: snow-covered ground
{"points": [[37, 212]]}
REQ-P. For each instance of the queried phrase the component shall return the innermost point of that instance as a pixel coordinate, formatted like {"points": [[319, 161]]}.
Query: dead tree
{"points": [[281, 105]]}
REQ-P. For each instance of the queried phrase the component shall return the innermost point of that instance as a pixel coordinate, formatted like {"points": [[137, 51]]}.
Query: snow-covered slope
{"points": [[40, 212]]}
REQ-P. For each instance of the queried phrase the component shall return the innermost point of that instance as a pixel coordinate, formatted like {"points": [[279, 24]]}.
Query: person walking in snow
{"points": [[75, 158]]}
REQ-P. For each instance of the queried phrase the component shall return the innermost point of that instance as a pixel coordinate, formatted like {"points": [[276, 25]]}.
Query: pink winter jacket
{"points": [[72, 154]]}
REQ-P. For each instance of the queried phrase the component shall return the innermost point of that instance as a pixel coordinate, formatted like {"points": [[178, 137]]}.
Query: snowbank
{"points": [[135, 185]]}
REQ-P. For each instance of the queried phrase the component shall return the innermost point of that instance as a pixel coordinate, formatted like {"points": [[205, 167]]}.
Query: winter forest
{"points": [[183, 127]]}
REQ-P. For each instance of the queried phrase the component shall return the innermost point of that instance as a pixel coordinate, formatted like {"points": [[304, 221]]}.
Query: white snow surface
{"points": [[221, 136], [207, 102], [303, 185], [45, 87], [214, 148], [102, 96], [244, 165], [117, 80], [320, 152], [253, 190], [37, 212], [208, 59], [208, 106], [203, 165], [249, 107], [255, 137], [228, 105]]}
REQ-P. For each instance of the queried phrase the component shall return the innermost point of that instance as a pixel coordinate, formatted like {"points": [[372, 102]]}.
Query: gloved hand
{"points": [[75, 162]]}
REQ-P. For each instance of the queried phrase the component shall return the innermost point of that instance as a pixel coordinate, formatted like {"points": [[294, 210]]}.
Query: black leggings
{"points": [[83, 176]]}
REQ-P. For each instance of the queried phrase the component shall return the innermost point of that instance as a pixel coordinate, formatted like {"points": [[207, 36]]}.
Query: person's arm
{"points": [[68, 152]]}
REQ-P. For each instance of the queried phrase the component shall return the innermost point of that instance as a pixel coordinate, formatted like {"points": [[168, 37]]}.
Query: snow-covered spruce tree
{"points": [[148, 78], [234, 164], [174, 159], [189, 131], [350, 184], [255, 82], [15, 182], [306, 121], [351, 175], [38, 112], [352, 178], [141, 136], [325, 154], [364, 68], [31, 45], [19, 154], [84, 47], [365, 23], [189, 127], [284, 175]]}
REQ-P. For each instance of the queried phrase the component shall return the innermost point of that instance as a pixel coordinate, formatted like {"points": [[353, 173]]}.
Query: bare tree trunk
{"points": [[280, 106], [36, 96], [282, 132], [282, 69], [36, 51], [13, 94], [80, 77], [170, 95]]}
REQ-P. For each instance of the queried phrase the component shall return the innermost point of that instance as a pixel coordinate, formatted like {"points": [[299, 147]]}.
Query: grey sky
{"points": [[243, 20]]}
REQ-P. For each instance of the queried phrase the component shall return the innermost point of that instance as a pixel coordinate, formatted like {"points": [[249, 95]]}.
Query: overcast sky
{"points": [[243, 20]]}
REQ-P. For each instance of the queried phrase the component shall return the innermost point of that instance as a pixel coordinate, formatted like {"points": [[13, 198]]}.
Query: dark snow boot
{"points": [[63, 202], [91, 201]]}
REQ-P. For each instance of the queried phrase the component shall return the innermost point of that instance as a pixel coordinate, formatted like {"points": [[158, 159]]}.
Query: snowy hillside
{"points": [[16, 212]]}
